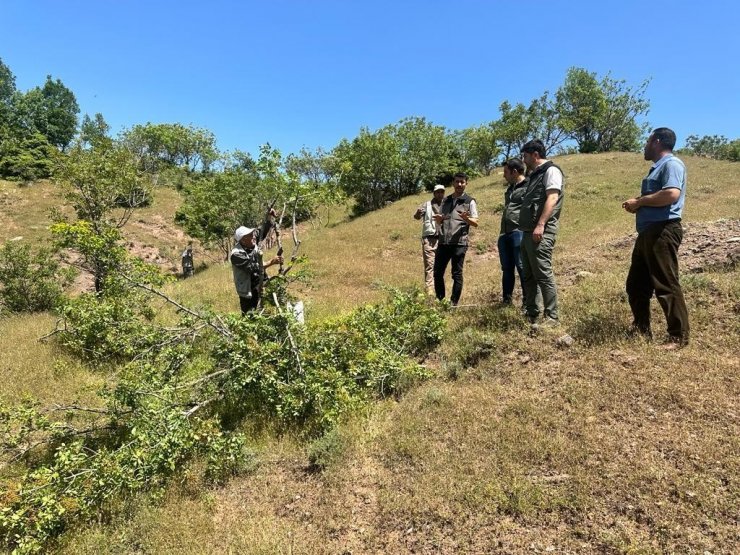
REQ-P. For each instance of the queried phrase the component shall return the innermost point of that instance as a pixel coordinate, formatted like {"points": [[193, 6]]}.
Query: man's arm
{"points": [[274, 260], [664, 197], [550, 202], [470, 217]]}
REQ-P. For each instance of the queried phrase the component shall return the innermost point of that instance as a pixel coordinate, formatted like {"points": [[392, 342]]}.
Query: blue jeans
{"points": [[509, 253]]}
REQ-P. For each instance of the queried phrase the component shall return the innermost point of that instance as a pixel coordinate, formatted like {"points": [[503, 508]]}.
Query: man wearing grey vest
{"points": [[429, 234], [457, 213], [538, 219]]}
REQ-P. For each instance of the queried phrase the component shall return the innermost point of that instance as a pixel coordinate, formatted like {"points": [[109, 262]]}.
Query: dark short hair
{"points": [[515, 165], [535, 145], [666, 137], [460, 175]]}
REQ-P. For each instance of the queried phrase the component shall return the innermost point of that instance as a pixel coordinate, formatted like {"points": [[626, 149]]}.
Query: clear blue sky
{"points": [[297, 73]]}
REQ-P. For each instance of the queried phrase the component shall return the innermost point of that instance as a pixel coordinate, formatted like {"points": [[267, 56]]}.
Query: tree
{"points": [[216, 204], [50, 110], [320, 172], [163, 145], [601, 115], [394, 161], [479, 147], [104, 186], [94, 131], [28, 157], [7, 94], [512, 128], [544, 122]]}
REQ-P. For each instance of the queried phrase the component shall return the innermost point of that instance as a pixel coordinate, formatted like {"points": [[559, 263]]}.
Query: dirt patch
{"points": [[706, 246]]}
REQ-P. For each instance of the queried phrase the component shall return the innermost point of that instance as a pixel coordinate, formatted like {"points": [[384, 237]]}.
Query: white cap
{"points": [[439, 188], [242, 231]]}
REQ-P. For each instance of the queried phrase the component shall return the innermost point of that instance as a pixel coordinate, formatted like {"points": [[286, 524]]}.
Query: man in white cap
{"points": [[429, 233], [248, 268]]}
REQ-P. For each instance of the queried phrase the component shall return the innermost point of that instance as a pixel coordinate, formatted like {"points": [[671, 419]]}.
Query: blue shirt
{"points": [[667, 173]]}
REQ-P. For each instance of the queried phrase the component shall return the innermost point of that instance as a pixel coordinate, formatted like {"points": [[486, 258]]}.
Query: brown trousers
{"points": [[428, 250], [654, 269]]}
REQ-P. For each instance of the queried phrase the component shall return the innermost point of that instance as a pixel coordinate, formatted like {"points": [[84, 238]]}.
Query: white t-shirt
{"points": [[553, 179]]}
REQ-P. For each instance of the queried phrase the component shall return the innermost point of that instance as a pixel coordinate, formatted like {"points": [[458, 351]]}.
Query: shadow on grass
{"points": [[599, 329]]}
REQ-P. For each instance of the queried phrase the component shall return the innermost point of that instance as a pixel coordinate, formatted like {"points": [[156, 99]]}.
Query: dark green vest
{"points": [[454, 230], [534, 201], [512, 206]]}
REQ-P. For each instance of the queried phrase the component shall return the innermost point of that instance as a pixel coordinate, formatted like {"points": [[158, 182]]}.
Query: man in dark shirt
{"points": [[510, 238]]}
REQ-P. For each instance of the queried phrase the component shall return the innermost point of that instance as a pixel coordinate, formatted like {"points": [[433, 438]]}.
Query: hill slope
{"points": [[519, 445]]}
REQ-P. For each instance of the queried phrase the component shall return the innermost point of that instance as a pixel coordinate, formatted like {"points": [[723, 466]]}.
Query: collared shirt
{"points": [[667, 173]]}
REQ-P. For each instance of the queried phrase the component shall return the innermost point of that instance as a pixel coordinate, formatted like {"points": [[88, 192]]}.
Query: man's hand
{"points": [[274, 260], [632, 205], [439, 218], [538, 232], [273, 213]]}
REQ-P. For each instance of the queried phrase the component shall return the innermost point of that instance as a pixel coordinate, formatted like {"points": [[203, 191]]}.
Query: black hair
{"points": [[460, 175], [666, 137], [515, 164], [535, 145]]}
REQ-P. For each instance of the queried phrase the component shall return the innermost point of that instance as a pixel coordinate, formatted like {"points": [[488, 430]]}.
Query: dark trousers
{"points": [[509, 245], [249, 303], [445, 254], [654, 269]]}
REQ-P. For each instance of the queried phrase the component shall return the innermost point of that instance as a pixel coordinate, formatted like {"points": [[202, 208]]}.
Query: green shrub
{"points": [[30, 281], [326, 450]]}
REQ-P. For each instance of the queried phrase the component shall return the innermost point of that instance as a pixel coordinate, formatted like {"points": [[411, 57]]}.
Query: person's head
{"points": [[513, 170], [244, 236], [660, 141], [460, 181], [439, 192], [533, 153]]}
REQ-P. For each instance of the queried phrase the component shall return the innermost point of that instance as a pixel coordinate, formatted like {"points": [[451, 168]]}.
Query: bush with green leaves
{"points": [[30, 281], [183, 394]]}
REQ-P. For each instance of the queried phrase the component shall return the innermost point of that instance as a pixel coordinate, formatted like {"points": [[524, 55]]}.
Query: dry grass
{"points": [[611, 446]]}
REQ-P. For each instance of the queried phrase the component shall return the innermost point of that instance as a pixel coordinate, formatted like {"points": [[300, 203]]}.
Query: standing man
{"points": [[510, 238], [429, 234], [457, 213], [188, 267], [654, 267], [248, 268], [538, 219]]}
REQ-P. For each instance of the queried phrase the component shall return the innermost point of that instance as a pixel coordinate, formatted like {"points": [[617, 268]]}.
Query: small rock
{"points": [[565, 341], [583, 274], [19, 238]]}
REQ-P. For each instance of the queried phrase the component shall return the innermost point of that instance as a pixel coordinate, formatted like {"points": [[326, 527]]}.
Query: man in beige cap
{"points": [[429, 234], [248, 268]]}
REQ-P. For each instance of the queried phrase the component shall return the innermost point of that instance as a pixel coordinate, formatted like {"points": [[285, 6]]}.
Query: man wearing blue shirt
{"points": [[654, 267]]}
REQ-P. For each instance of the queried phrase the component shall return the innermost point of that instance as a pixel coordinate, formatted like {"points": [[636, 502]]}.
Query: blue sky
{"points": [[297, 73]]}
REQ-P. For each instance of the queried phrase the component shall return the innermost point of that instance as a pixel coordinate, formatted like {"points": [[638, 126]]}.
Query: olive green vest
{"points": [[534, 201]]}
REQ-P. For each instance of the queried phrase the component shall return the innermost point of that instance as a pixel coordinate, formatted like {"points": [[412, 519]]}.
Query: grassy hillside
{"points": [[518, 445]]}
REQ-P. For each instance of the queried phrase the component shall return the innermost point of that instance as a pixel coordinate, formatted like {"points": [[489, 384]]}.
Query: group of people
{"points": [[533, 204]]}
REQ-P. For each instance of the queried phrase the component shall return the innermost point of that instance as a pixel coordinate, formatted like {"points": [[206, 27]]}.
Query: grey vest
{"points": [[454, 230], [512, 205], [247, 269], [534, 201]]}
